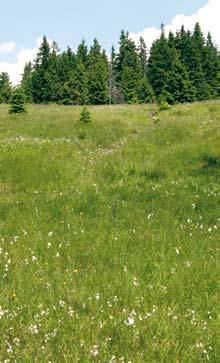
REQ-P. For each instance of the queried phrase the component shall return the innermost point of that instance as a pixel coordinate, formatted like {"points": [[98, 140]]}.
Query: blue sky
{"points": [[67, 21], [24, 22]]}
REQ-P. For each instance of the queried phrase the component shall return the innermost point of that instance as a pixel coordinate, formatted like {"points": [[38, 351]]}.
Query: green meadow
{"points": [[109, 234]]}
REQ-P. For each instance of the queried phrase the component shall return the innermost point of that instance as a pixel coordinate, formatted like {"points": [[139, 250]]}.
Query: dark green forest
{"points": [[181, 67]]}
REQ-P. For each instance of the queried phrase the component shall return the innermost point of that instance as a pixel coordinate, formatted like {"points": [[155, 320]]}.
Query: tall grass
{"points": [[109, 235]]}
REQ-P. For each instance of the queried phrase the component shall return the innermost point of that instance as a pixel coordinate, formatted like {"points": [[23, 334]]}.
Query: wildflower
{"points": [[17, 341], [177, 249], [1, 312], [135, 282], [61, 303], [33, 329], [130, 321], [94, 351], [97, 296]]}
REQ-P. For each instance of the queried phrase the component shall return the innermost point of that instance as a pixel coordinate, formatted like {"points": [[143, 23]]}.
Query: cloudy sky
{"points": [[68, 21]]}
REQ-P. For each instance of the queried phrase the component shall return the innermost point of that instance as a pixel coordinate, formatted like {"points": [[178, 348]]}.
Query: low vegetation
{"points": [[109, 234]]}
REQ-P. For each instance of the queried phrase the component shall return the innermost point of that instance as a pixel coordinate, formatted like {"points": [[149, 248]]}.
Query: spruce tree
{"points": [[53, 75], [67, 64], [82, 53], [146, 93], [26, 82], [180, 68], [159, 64], [75, 91], [191, 49], [98, 75], [85, 116], [17, 101], [128, 69], [211, 66], [142, 51], [5, 88], [178, 87], [40, 77]]}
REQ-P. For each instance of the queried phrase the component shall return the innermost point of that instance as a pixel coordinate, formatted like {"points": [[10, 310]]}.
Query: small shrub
{"points": [[67, 102], [164, 106], [211, 161], [82, 135], [85, 115], [17, 102]]}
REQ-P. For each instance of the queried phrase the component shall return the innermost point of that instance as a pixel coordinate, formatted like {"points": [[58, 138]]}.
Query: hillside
{"points": [[109, 234]]}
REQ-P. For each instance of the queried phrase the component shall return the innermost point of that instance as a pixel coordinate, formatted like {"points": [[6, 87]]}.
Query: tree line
{"points": [[180, 67]]}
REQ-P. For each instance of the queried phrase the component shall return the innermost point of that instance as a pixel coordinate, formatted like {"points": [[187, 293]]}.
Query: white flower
{"points": [[135, 282], [1, 312], [33, 329], [94, 351], [177, 249], [97, 296], [61, 303], [130, 321]]}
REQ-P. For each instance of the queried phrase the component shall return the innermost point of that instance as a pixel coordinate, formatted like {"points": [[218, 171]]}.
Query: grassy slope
{"points": [[109, 235]]}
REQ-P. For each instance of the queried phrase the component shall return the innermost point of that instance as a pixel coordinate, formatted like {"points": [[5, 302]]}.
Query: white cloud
{"points": [[207, 16], [7, 47], [15, 69]]}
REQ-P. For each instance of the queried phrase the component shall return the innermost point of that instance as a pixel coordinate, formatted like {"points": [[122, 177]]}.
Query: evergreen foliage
{"points": [[85, 115], [17, 101], [98, 75], [26, 83], [41, 82], [5, 88], [183, 67], [75, 90], [128, 69], [164, 106]]}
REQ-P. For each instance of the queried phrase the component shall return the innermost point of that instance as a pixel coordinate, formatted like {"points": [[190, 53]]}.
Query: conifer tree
{"points": [[85, 116], [98, 75], [67, 63], [115, 95], [17, 101], [142, 51], [75, 91], [160, 64], [54, 84], [40, 77], [146, 93], [128, 69], [181, 68], [191, 49], [211, 66], [5, 88], [82, 53], [26, 82], [178, 87]]}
